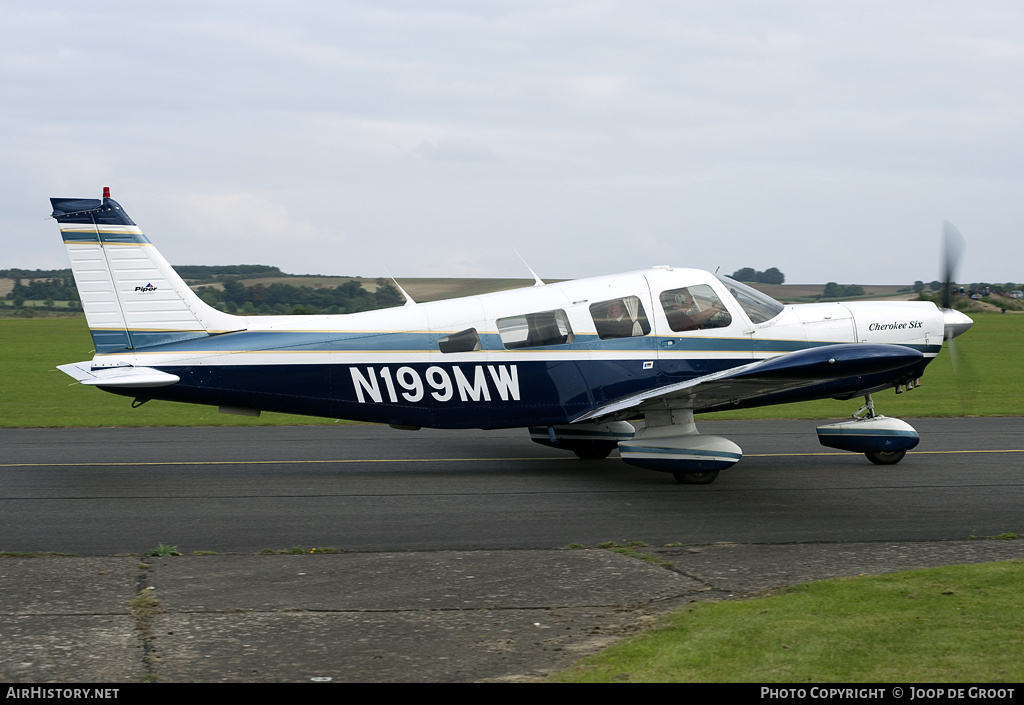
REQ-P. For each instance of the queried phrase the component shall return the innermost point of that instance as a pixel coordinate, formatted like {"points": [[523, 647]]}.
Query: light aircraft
{"points": [[574, 362]]}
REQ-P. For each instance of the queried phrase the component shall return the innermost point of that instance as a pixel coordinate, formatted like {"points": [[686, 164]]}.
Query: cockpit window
{"points": [[758, 306], [694, 308], [620, 318], [535, 329]]}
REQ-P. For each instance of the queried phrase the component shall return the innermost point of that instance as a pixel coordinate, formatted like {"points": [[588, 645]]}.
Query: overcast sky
{"points": [[430, 138]]}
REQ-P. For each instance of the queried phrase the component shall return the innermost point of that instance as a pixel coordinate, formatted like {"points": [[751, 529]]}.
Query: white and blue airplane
{"points": [[574, 362]]}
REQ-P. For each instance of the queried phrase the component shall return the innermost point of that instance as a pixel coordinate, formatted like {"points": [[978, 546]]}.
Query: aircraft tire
{"points": [[696, 478], [886, 457], [593, 450]]}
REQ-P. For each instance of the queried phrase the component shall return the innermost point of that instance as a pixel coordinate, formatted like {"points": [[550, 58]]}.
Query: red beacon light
{"points": [[106, 192]]}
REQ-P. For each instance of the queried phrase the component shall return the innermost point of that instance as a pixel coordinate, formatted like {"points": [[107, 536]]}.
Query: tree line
{"points": [[277, 298], [772, 275], [48, 287], [60, 288]]}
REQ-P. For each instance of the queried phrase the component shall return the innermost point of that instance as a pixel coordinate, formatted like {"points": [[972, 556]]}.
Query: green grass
{"points": [[34, 394], [943, 625]]}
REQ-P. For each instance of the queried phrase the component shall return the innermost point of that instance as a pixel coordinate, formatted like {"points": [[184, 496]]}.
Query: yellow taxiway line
{"points": [[433, 460]]}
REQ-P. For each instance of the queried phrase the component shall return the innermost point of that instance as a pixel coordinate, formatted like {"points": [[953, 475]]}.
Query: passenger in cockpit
{"points": [[617, 323]]}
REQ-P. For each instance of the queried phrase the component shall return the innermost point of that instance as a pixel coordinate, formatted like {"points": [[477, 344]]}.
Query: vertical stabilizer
{"points": [[131, 296]]}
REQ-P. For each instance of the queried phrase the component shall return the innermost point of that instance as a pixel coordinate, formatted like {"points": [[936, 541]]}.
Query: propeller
{"points": [[956, 323], [952, 249]]}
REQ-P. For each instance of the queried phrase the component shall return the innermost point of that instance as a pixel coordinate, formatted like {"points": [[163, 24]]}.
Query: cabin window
{"points": [[620, 318], [758, 306], [535, 329], [694, 308], [464, 341]]}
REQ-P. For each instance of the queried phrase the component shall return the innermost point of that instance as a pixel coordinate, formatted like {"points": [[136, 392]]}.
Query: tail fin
{"points": [[131, 296]]}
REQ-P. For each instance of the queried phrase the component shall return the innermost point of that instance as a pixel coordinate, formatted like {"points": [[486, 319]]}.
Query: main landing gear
{"points": [[589, 441], [884, 441], [669, 442]]}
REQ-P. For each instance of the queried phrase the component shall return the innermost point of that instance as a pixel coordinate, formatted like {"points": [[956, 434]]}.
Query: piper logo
{"points": [[148, 287]]}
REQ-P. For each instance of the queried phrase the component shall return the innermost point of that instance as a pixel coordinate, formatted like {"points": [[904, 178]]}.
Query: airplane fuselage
{"points": [[541, 355]]}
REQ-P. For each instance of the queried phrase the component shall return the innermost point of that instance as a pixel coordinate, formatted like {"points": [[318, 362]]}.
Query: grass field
{"points": [[946, 625], [33, 393]]}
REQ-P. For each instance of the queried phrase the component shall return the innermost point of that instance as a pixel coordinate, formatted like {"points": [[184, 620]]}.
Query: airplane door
{"points": [[616, 357], [700, 328]]}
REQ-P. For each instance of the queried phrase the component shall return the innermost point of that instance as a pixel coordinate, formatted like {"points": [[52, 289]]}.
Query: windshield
{"points": [[759, 307]]}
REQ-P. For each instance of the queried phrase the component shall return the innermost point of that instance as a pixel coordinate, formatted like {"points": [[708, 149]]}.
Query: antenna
{"points": [[538, 281], [408, 299]]}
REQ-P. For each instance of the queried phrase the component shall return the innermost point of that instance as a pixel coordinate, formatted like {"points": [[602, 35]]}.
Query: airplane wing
{"points": [[812, 367]]}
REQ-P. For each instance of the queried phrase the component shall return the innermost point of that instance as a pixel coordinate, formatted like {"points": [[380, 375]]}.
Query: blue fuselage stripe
{"points": [[420, 342]]}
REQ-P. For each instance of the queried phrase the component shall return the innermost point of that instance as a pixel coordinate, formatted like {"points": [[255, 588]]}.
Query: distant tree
{"points": [[770, 276], [387, 295], [34, 273], [918, 286], [235, 292], [832, 290], [935, 285]]}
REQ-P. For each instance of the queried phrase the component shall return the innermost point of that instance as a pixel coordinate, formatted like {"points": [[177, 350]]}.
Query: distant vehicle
{"points": [[573, 362], [1016, 294]]}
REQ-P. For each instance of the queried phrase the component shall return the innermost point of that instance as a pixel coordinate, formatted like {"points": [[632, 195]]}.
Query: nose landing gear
{"points": [[885, 441]]}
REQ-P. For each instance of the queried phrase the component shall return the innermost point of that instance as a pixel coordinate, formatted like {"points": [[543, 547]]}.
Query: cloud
{"points": [[573, 125]]}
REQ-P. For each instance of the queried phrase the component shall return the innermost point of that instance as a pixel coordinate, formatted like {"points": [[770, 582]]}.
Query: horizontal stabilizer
{"points": [[118, 376]]}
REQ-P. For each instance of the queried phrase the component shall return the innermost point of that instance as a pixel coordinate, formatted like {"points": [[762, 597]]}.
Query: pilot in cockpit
{"points": [[683, 313]]}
